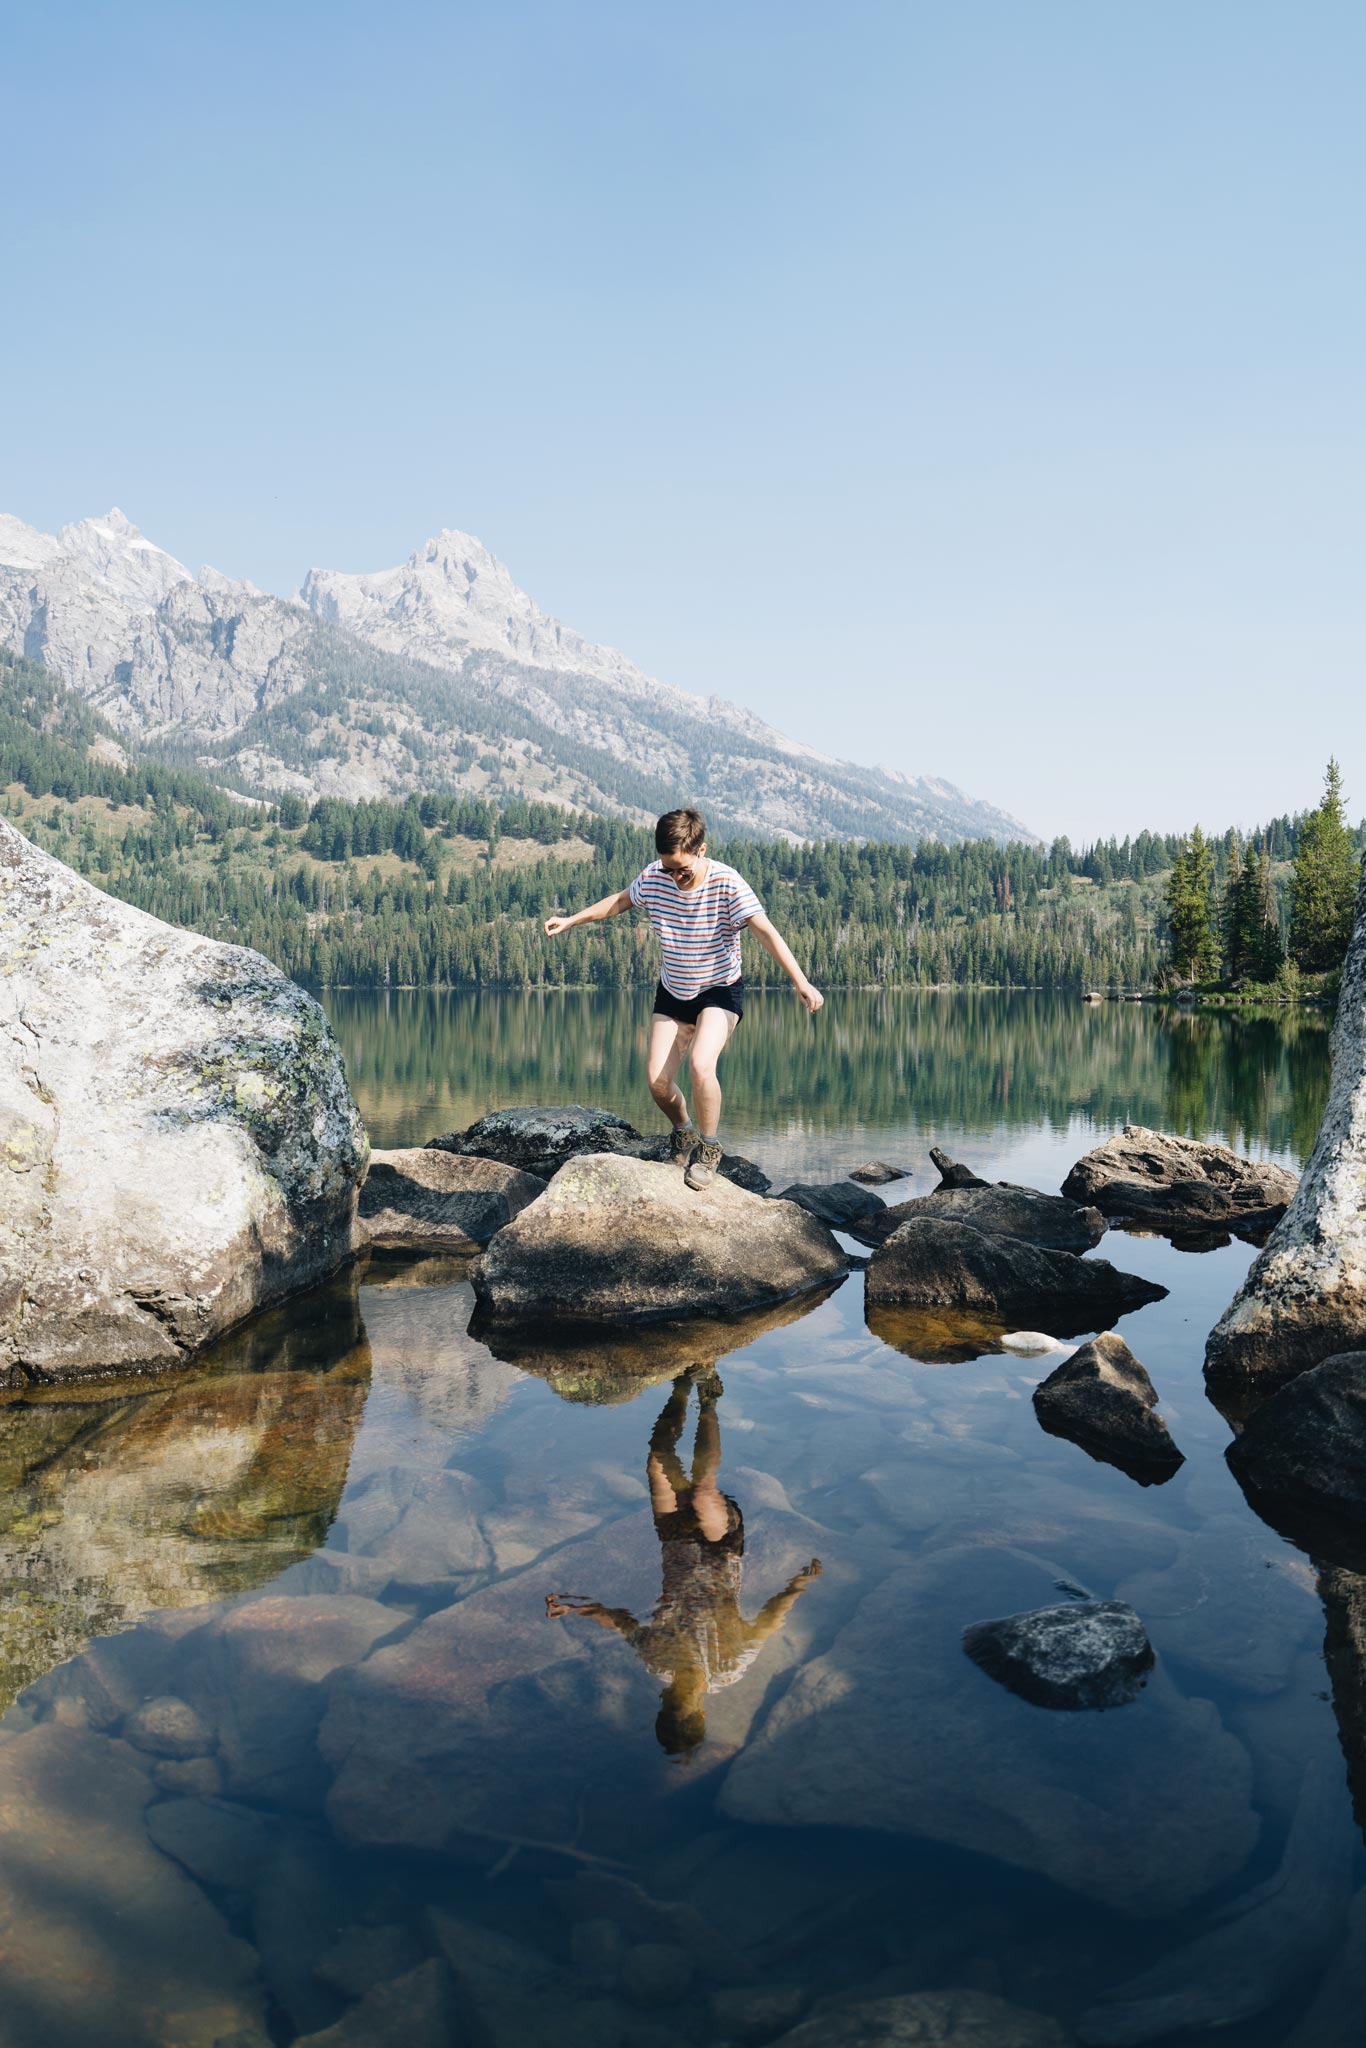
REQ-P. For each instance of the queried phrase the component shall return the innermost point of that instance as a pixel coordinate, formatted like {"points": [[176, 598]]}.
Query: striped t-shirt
{"points": [[699, 929]]}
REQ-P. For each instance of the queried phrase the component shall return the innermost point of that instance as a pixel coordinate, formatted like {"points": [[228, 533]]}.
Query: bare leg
{"points": [[709, 1040], [669, 1042], [711, 1511]]}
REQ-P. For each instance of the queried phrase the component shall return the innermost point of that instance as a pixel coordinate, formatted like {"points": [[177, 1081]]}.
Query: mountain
{"points": [[438, 674]]}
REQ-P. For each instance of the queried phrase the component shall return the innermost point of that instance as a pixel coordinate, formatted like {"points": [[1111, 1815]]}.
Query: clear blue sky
{"points": [[972, 387]]}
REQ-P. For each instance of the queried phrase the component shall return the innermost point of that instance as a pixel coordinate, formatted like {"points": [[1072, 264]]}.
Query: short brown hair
{"points": [[681, 832]]}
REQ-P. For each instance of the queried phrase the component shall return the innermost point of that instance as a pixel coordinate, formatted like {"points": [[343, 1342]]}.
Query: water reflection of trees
{"points": [[180, 1491], [966, 1060]]}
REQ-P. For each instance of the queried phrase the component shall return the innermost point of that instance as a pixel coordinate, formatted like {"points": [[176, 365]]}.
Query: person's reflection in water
{"points": [[697, 1640]]}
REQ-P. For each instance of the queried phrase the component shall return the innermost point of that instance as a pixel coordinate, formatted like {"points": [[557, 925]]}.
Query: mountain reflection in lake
{"points": [[298, 1750]]}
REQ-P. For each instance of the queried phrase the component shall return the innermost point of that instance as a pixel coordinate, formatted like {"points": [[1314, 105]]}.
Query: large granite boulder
{"points": [[928, 1263], [1151, 1181], [1103, 1399], [1301, 1457], [892, 1728], [178, 1144], [420, 1199], [615, 1239], [542, 1140], [1000, 1211], [1305, 1295]]}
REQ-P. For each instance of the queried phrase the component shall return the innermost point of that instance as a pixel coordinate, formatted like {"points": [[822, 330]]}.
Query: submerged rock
{"points": [[928, 2019], [892, 1728], [1334, 2018], [1152, 1181], [932, 1264], [422, 1199], [1087, 1654], [178, 1144], [615, 1239], [1002, 1211], [1255, 1948], [1304, 1298], [416, 2010], [1102, 1398], [839, 1206], [1302, 1452]]}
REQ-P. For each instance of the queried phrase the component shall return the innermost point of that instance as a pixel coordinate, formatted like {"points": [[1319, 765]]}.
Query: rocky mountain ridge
{"points": [[440, 673]]}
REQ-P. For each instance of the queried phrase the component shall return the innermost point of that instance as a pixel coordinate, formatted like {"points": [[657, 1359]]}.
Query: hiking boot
{"points": [[682, 1145], [702, 1167]]}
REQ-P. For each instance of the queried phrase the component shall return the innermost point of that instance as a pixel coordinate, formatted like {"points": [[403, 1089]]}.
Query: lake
{"points": [[364, 1685]]}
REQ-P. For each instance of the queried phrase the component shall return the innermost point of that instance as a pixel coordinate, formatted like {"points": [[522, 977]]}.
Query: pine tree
{"points": [[1233, 912], [1261, 921], [1323, 892], [1190, 916]]}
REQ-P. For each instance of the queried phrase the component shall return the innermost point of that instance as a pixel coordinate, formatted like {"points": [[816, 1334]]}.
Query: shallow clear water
{"points": [[739, 1778]]}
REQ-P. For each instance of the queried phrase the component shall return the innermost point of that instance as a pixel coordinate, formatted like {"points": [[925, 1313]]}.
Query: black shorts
{"points": [[726, 995]]}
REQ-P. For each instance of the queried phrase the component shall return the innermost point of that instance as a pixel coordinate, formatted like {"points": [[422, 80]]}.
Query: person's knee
{"points": [[661, 1085], [704, 1070]]}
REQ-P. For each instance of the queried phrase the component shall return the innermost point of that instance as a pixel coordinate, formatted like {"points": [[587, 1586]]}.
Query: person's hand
{"points": [[553, 926], [810, 998]]}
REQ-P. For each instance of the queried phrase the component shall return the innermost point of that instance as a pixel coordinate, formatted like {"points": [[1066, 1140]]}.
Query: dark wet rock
{"points": [[1234, 1607], [1103, 1399], [1001, 1211], [616, 1239], [106, 1940], [1255, 1948], [610, 1366], [954, 1175], [655, 1973], [1087, 1654], [1142, 1811], [1333, 2019], [260, 1670], [839, 1206], [298, 1905], [1304, 1298], [1149, 1180], [180, 1142], [195, 1777], [596, 1895], [1301, 1458], [168, 1727], [750, 2016], [928, 2019], [430, 1200], [875, 1173], [414, 2011], [539, 1140], [362, 1957], [1343, 1595], [927, 1264], [218, 1843]]}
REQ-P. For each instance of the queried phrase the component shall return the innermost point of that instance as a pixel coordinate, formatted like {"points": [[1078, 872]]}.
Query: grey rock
{"points": [[538, 1141], [1304, 1298], [1087, 1654], [752, 2016], [362, 1957], [928, 2019], [615, 1239], [839, 1206], [218, 1843], [423, 1199], [168, 1727], [181, 1146], [1142, 1811], [1003, 1211], [196, 1777], [952, 1174], [416, 2010], [1153, 1181], [930, 1264], [1301, 1457], [1256, 1947], [875, 1173], [655, 1973], [1102, 1398]]}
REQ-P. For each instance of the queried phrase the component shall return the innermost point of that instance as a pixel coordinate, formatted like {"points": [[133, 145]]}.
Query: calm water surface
{"points": [[369, 1680]]}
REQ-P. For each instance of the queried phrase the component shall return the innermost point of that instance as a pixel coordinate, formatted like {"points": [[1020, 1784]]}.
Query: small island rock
{"points": [[839, 1206], [1089, 1653], [617, 1239], [1304, 1448], [932, 1264], [178, 1144], [1150, 1180], [1002, 1211], [1103, 1399], [954, 1175], [875, 1173]]}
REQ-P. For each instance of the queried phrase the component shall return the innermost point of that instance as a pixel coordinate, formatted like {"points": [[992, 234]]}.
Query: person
{"points": [[697, 1640], [698, 908]]}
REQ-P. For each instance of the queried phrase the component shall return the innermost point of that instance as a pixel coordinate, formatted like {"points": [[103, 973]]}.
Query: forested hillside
{"points": [[452, 890]]}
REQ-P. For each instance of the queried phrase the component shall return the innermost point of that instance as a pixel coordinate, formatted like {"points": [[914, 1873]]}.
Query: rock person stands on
{"points": [[698, 907]]}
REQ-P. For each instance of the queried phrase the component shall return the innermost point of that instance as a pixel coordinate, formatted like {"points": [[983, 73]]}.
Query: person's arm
{"points": [[773, 942], [610, 906], [774, 1612], [619, 1618]]}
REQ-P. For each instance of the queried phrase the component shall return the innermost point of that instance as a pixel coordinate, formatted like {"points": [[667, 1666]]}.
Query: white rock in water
{"points": [[1031, 1343], [178, 1144], [1305, 1295]]}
